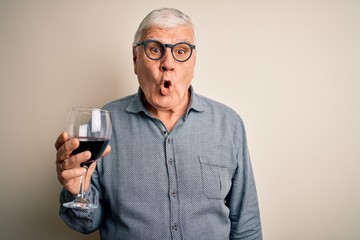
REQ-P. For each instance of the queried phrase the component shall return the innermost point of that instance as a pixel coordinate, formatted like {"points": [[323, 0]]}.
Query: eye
{"points": [[180, 51], [155, 50]]}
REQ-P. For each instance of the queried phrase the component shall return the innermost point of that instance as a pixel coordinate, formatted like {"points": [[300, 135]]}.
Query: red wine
{"points": [[95, 145]]}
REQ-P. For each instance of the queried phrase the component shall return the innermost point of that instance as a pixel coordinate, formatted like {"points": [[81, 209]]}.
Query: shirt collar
{"points": [[137, 105]]}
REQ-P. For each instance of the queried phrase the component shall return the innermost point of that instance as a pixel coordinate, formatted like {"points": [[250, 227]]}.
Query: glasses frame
{"points": [[166, 45]]}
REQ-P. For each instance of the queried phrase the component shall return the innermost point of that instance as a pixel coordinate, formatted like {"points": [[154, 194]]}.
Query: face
{"points": [[165, 82]]}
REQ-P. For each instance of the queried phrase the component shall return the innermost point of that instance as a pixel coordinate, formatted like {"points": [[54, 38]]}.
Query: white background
{"points": [[289, 68]]}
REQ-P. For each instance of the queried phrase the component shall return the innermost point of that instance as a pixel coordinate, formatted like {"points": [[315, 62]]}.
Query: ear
{"points": [[134, 59]]}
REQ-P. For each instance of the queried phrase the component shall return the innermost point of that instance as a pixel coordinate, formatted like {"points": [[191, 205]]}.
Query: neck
{"points": [[169, 117]]}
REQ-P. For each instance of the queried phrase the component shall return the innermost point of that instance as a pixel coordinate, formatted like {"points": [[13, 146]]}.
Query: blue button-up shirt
{"points": [[195, 182]]}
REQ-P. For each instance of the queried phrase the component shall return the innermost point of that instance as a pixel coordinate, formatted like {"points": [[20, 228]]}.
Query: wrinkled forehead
{"points": [[183, 33]]}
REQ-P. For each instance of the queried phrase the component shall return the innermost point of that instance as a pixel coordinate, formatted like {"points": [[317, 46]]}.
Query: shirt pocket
{"points": [[216, 178]]}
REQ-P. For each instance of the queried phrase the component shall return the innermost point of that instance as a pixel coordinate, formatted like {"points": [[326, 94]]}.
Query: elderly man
{"points": [[179, 166]]}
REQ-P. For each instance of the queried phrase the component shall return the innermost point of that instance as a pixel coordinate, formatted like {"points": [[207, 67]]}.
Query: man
{"points": [[179, 166]]}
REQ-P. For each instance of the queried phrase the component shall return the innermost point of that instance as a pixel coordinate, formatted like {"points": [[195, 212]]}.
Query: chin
{"points": [[163, 106]]}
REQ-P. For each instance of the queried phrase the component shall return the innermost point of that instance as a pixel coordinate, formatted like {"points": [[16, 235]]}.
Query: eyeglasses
{"points": [[155, 50]]}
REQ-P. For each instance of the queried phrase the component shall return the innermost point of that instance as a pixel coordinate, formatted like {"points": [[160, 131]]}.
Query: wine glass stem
{"points": [[83, 184]]}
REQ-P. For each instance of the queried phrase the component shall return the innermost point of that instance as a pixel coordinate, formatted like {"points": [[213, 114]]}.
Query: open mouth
{"points": [[165, 88], [167, 84]]}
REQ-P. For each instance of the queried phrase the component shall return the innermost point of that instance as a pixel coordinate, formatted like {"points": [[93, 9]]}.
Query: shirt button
{"points": [[171, 161], [169, 140], [173, 193], [175, 227]]}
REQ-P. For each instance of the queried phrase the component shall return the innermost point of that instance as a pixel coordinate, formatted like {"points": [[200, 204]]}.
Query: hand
{"points": [[68, 166]]}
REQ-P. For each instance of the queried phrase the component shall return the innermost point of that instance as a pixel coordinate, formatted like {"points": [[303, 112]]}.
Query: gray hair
{"points": [[165, 18]]}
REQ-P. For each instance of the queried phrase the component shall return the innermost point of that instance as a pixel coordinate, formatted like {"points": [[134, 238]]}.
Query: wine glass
{"points": [[92, 126]]}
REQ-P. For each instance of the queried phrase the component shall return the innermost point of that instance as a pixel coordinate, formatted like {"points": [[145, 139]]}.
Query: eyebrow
{"points": [[179, 41]]}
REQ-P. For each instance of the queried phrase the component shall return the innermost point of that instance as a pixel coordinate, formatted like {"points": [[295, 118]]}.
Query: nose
{"points": [[167, 62]]}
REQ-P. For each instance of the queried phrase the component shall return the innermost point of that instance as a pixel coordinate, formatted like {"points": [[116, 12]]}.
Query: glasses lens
{"points": [[154, 50], [182, 52]]}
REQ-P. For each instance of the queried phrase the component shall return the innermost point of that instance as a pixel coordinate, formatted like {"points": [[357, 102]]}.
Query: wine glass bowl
{"points": [[92, 127]]}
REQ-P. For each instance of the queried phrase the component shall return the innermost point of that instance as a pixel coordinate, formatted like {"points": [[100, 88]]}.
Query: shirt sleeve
{"points": [[242, 199], [84, 221]]}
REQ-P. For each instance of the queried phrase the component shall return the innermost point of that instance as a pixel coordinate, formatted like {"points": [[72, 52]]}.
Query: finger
{"points": [[74, 161], [68, 175], [63, 137], [89, 174], [91, 169], [106, 152], [66, 149]]}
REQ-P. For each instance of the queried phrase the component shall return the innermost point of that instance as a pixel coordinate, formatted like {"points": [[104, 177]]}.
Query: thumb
{"points": [[91, 170]]}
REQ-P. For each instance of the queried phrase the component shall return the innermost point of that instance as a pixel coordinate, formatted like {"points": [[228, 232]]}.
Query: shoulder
{"points": [[119, 104], [212, 106]]}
